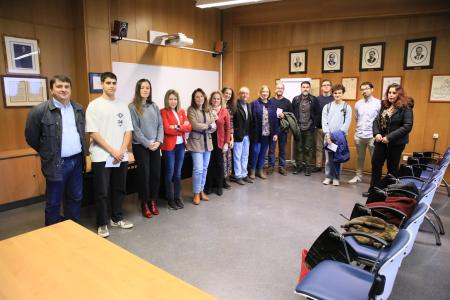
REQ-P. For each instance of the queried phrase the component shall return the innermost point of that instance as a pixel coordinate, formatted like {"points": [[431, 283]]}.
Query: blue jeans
{"points": [[282, 142], [259, 152], [240, 157], [332, 169], [200, 161], [173, 161], [69, 188]]}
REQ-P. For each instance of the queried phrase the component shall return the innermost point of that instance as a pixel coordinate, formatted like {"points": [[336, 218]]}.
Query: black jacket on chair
{"points": [[242, 126], [399, 127]]}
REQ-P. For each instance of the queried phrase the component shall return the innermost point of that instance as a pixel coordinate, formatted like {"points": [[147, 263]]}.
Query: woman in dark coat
{"points": [[391, 130]]}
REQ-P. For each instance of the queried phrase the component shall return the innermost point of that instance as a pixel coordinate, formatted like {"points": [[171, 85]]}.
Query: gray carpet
{"points": [[246, 243]]}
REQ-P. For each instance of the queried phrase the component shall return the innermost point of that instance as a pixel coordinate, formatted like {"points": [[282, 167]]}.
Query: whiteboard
{"points": [[163, 78], [292, 86]]}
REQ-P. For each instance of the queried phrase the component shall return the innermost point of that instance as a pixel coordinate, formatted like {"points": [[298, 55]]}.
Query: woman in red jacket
{"points": [[221, 142], [176, 125]]}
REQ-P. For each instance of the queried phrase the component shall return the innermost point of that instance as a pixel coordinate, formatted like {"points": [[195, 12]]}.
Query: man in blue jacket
{"points": [[55, 129]]}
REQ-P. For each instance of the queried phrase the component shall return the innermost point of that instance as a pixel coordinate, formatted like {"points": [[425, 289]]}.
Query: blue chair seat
{"points": [[364, 251], [331, 280]]}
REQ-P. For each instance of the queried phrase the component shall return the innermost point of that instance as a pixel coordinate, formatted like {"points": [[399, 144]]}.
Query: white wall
{"points": [[183, 80]]}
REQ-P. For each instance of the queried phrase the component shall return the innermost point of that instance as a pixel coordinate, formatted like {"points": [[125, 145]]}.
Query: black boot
{"points": [[307, 171], [179, 203], [172, 205]]}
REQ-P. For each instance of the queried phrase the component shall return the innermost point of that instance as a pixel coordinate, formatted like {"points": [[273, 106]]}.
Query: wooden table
{"points": [[67, 261]]}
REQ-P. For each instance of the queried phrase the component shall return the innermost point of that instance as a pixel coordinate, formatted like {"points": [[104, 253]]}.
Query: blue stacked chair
{"points": [[332, 280]]}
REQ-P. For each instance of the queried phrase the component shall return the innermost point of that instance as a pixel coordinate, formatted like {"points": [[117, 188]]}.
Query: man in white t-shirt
{"points": [[108, 122], [366, 110]]}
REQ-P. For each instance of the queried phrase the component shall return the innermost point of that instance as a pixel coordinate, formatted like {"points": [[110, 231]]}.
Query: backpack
{"points": [[344, 109]]}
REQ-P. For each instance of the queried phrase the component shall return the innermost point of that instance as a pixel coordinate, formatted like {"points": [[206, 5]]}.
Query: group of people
{"points": [[227, 137]]}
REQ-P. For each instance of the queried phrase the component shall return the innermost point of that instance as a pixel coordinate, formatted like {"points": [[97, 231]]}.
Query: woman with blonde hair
{"points": [[176, 125], [265, 130], [221, 142], [200, 142]]}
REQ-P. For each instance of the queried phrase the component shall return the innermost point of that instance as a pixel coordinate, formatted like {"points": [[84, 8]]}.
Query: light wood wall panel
{"points": [[167, 16], [259, 51]]}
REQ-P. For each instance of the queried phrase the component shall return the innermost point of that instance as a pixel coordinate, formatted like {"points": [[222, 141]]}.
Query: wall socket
{"points": [[435, 136]]}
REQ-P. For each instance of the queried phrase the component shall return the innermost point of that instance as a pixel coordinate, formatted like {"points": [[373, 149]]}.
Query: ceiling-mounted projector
{"points": [[178, 40]]}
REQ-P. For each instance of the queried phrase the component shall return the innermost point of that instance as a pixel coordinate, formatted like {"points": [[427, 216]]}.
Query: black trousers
{"points": [[109, 190], [215, 175], [149, 172], [385, 152]]}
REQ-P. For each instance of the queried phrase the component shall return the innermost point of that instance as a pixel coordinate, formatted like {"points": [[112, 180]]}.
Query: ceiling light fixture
{"points": [[215, 3]]}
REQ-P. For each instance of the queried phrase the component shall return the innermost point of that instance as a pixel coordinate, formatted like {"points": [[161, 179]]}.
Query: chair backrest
{"points": [[427, 194], [414, 222], [390, 265]]}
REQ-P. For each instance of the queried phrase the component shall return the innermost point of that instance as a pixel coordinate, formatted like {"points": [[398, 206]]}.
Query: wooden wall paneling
{"points": [[21, 177], [97, 13], [58, 13]]}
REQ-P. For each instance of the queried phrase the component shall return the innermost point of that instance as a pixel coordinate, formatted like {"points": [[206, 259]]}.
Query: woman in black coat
{"points": [[391, 130]]}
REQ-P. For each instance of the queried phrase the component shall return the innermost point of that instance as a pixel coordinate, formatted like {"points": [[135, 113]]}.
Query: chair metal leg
{"points": [[446, 186], [436, 233], [438, 220]]}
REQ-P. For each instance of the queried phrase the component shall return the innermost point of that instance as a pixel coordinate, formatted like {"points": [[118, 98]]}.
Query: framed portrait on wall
{"points": [[440, 88], [388, 80], [298, 61], [95, 84], [315, 86], [22, 91], [22, 56], [419, 54], [351, 87], [332, 59], [371, 57]]}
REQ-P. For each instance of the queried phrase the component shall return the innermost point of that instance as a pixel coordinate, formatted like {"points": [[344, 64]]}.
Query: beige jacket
{"points": [[196, 140]]}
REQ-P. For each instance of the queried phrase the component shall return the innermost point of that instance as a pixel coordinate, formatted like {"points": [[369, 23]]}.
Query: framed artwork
{"points": [[22, 56], [21, 91], [388, 80], [315, 86], [351, 87], [298, 61], [95, 84], [419, 54], [371, 57], [332, 59], [440, 88]]}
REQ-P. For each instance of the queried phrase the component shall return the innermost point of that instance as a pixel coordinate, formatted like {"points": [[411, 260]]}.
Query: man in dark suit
{"points": [[242, 124]]}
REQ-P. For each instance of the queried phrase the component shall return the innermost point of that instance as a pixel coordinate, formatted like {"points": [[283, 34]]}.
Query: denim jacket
{"points": [[43, 133]]}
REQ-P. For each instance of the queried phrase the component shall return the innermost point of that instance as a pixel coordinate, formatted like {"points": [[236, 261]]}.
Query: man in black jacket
{"points": [[55, 129], [242, 125], [305, 108]]}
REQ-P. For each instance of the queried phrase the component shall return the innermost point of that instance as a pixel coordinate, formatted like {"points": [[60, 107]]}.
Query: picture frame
{"points": [[440, 88], [332, 59], [298, 61], [24, 91], [419, 53], [95, 84], [315, 86], [371, 57], [388, 80], [351, 88], [22, 55]]}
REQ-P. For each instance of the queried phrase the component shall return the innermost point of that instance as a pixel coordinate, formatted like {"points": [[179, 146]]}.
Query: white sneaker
{"points": [[355, 179], [336, 182], [124, 224], [103, 231], [327, 181]]}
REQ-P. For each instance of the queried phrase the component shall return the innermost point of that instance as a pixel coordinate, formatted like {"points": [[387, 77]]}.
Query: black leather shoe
{"points": [[207, 191], [248, 180], [307, 171], [179, 203], [316, 169], [365, 194], [240, 181], [219, 191], [172, 205], [297, 171], [226, 185]]}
